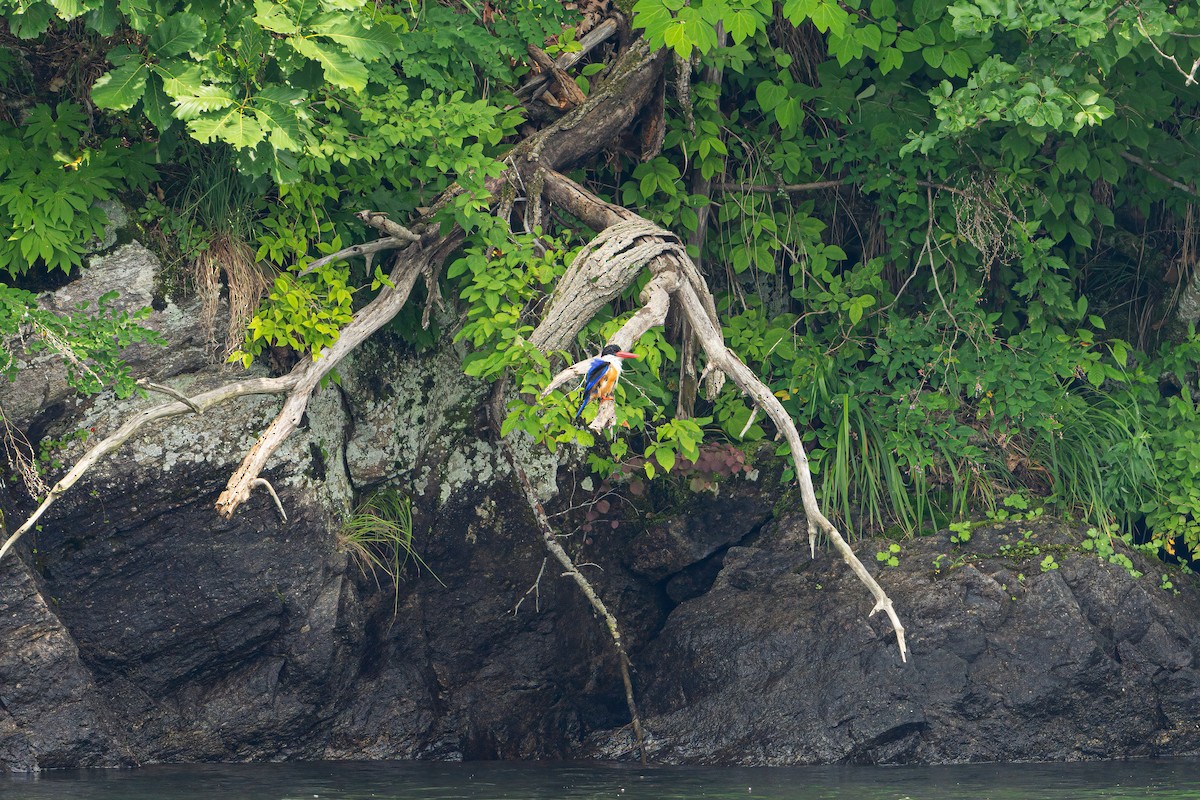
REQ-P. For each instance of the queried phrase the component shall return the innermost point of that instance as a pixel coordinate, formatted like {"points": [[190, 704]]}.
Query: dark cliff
{"points": [[138, 626]]}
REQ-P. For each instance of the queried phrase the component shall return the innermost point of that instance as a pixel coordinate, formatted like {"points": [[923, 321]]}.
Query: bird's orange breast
{"points": [[607, 382]]}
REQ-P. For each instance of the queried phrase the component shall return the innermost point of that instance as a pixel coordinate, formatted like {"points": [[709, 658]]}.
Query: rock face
{"points": [[137, 626]]}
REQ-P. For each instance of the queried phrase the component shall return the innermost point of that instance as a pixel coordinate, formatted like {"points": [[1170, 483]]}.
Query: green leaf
{"points": [[829, 17], [742, 24], [368, 44], [769, 95], [68, 9], [273, 17], [340, 69], [120, 88], [176, 35], [233, 127], [278, 109], [201, 100], [32, 23], [156, 104], [105, 18]]}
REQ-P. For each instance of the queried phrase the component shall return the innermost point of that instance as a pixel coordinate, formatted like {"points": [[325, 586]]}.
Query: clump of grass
{"points": [[379, 536]]}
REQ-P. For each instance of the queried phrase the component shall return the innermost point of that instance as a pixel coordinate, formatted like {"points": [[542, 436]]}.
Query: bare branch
{"points": [[266, 484], [1141, 162], [368, 250], [309, 373], [167, 390], [613, 257], [379, 220], [1188, 75], [588, 43], [779, 188], [550, 539], [202, 401], [714, 345]]}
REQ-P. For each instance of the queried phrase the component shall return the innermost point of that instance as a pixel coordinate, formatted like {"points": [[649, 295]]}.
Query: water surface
{"points": [[1158, 780]]}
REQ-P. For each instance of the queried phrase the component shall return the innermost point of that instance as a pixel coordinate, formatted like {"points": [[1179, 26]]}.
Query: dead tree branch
{"points": [[615, 257], [110, 443], [550, 539]]}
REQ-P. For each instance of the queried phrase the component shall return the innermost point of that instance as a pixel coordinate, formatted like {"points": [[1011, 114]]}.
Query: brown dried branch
{"points": [[589, 42], [550, 539]]}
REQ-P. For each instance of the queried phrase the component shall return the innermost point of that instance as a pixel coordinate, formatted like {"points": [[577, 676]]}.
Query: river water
{"points": [[1159, 780]]}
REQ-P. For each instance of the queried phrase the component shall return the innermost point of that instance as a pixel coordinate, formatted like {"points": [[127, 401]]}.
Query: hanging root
{"points": [[550, 539]]}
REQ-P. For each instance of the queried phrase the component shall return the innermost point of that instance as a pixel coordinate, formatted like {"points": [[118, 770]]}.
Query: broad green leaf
{"points": [[368, 44], [176, 35], [770, 95], [829, 17], [120, 88], [741, 24], [68, 9], [277, 109], [232, 126], [156, 104], [180, 78], [201, 100], [32, 23], [105, 18], [340, 69], [274, 17]]}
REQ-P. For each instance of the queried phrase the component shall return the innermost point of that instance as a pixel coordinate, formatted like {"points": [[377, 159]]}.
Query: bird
{"points": [[602, 375]]}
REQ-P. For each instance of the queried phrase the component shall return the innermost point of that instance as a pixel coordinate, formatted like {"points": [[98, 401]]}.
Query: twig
{"points": [[779, 188], [1183, 187], [167, 390], [263, 482], [379, 220], [535, 589], [589, 42], [550, 539], [113, 441], [1189, 77], [368, 250]]}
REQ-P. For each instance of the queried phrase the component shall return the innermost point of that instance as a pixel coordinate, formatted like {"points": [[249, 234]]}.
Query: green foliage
{"points": [[889, 557], [50, 184], [379, 536], [949, 325], [89, 342]]}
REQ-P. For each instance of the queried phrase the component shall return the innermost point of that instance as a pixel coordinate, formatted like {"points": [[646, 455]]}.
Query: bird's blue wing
{"points": [[594, 374]]}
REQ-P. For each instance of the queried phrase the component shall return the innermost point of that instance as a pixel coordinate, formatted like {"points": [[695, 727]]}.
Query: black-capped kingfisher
{"points": [[602, 376]]}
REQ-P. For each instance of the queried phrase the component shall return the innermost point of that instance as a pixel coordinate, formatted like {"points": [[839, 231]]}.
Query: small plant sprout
{"points": [[890, 557]]}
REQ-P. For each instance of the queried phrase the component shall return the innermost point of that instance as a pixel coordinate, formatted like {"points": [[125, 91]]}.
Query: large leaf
{"points": [[201, 100], [156, 104], [368, 44], [274, 17], [105, 18], [340, 69], [68, 9], [177, 34], [120, 88], [232, 126], [32, 23], [279, 109]]}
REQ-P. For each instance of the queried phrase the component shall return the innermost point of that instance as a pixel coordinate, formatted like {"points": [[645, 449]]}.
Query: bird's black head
{"points": [[609, 350]]}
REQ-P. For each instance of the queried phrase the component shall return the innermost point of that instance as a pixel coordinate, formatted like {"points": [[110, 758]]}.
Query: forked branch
{"points": [[633, 244]]}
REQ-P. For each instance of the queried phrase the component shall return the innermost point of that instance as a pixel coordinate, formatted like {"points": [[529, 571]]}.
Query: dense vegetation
{"points": [[956, 237]]}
